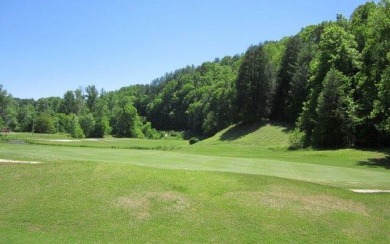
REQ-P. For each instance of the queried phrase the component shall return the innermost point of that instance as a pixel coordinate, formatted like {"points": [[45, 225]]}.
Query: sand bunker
{"points": [[370, 191], [75, 140], [18, 161], [64, 140]]}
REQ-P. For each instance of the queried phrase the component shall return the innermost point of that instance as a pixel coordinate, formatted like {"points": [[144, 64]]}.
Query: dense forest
{"points": [[331, 80]]}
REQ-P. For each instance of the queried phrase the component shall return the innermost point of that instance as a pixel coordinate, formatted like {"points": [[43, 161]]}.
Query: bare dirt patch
{"points": [[145, 205], [34, 228], [280, 198], [18, 161]]}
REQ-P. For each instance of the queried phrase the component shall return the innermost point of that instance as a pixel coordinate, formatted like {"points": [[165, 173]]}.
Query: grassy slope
{"points": [[270, 141]]}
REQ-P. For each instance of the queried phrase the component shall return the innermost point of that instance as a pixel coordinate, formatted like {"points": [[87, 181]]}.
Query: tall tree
{"points": [[299, 85], [126, 122], [337, 49], [376, 29], [91, 97], [334, 127], [26, 115], [284, 78], [255, 85], [8, 110]]}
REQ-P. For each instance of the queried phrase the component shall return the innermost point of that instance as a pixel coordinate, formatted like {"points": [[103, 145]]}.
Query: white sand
{"points": [[18, 162], [64, 140], [370, 191], [73, 140]]}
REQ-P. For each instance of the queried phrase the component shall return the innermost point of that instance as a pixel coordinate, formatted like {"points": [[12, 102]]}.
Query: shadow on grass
{"points": [[241, 130], [376, 162]]}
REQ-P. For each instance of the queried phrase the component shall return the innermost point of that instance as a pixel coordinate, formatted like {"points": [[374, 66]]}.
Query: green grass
{"points": [[242, 185], [261, 135], [109, 142], [270, 141], [245, 141], [343, 175], [101, 202]]}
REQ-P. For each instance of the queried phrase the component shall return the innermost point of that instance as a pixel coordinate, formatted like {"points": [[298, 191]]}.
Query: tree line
{"points": [[332, 80]]}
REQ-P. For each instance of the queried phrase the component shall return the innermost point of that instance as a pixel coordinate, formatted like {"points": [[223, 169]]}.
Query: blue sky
{"points": [[48, 47]]}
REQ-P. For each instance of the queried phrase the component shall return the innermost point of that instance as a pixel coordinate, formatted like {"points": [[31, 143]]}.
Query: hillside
{"points": [[261, 135], [269, 141], [245, 140]]}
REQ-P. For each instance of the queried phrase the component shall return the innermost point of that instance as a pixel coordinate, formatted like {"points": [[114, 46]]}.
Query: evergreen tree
{"points": [[255, 85], [334, 126], [299, 85], [284, 79], [337, 49]]}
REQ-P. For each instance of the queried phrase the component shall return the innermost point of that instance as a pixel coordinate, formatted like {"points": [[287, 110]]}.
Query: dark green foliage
{"points": [[284, 79], [193, 140], [255, 84], [382, 107], [337, 50], [91, 97], [8, 111], [359, 23], [87, 123], [200, 99], [296, 139], [374, 29], [299, 83], [49, 105], [149, 132], [76, 130], [102, 127], [334, 126], [26, 115], [219, 104], [45, 123], [69, 103], [125, 121], [64, 123]]}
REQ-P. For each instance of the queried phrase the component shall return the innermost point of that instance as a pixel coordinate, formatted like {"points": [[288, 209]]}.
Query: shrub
{"points": [[45, 124], [193, 140], [102, 127], [149, 132], [76, 132], [296, 139], [87, 123]]}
